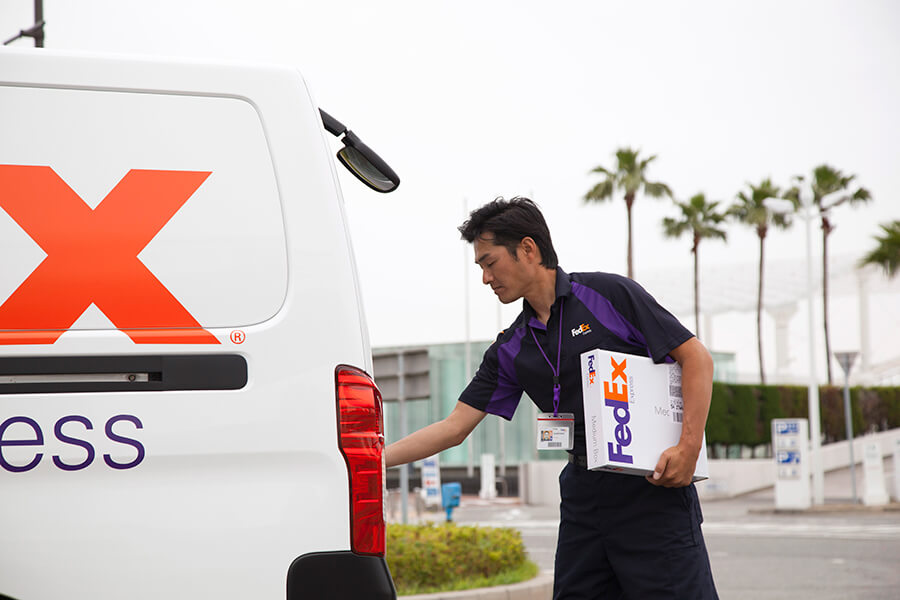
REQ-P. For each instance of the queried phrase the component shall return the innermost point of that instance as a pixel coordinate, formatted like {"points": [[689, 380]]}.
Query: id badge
{"points": [[555, 432]]}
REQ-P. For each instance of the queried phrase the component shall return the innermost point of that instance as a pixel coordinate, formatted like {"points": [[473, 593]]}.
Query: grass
{"points": [[523, 572]]}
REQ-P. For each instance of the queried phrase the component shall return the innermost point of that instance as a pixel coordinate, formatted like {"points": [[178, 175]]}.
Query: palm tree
{"points": [[751, 210], [629, 176], [700, 218], [830, 188], [887, 254]]}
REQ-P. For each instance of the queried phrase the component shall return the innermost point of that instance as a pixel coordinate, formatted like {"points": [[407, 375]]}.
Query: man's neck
{"points": [[543, 295]]}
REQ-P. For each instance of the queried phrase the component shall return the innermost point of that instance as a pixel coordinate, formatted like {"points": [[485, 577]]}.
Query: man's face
{"points": [[508, 277]]}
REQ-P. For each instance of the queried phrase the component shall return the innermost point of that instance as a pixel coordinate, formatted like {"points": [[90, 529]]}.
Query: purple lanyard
{"points": [[558, 353]]}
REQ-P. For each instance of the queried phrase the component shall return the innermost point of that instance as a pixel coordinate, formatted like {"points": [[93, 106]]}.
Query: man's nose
{"points": [[486, 278]]}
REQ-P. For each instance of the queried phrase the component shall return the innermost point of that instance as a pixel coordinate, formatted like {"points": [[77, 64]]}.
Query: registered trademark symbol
{"points": [[238, 336]]}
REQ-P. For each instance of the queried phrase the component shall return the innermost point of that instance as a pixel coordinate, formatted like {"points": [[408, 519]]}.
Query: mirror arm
{"points": [[332, 125]]}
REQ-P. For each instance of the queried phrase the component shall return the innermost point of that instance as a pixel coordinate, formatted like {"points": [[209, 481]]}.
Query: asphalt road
{"points": [[839, 553]]}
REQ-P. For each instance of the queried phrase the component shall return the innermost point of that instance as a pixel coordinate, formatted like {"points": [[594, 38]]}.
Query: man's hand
{"points": [[675, 467]]}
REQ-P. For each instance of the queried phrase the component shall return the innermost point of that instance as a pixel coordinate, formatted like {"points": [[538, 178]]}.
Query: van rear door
{"points": [[177, 290]]}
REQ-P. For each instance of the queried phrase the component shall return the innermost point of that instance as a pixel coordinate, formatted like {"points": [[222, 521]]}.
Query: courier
{"points": [[632, 412], [619, 535]]}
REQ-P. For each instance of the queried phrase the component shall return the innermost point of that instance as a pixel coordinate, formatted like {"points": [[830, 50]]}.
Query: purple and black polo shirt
{"points": [[599, 310]]}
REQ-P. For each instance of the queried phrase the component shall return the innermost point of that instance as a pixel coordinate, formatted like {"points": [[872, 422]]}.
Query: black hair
{"points": [[511, 221]]}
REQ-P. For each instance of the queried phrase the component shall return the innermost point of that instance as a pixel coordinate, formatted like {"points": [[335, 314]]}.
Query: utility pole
{"points": [[36, 31]]}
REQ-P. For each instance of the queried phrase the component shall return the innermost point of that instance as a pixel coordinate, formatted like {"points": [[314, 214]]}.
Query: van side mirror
{"points": [[361, 160]]}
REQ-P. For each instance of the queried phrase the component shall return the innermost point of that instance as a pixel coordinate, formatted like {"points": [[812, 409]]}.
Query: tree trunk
{"points": [[629, 201], [826, 229], [759, 302], [696, 251]]}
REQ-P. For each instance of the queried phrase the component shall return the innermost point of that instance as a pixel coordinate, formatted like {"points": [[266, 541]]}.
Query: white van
{"points": [[184, 405]]}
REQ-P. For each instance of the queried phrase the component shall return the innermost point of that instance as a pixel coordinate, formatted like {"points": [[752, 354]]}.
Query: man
{"points": [[620, 536]]}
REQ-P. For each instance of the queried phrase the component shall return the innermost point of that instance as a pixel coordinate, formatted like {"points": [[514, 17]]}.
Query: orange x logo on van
{"points": [[92, 256]]}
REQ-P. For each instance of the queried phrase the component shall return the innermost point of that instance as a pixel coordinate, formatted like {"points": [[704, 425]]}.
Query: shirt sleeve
{"points": [[631, 313], [662, 331], [495, 389]]}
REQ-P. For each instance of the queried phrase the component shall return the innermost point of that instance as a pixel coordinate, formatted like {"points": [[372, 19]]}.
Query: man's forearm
{"points": [[435, 437], [420, 444], [696, 389]]}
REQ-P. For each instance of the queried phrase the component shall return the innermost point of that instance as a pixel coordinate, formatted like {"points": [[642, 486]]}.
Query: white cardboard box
{"points": [[632, 412]]}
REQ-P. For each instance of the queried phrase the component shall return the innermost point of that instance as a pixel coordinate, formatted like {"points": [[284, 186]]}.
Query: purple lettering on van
{"points": [[37, 441], [57, 429], [124, 440]]}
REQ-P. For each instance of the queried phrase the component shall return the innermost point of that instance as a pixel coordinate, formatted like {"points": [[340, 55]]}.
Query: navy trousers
{"points": [[621, 537]]}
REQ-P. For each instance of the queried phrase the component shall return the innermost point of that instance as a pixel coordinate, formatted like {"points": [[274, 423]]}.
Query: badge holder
{"points": [[555, 432]]}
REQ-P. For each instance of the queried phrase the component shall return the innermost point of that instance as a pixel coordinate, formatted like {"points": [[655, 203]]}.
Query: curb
{"points": [[828, 508], [539, 588]]}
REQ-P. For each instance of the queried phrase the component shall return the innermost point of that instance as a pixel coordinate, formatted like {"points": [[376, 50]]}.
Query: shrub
{"points": [[741, 414], [427, 558]]}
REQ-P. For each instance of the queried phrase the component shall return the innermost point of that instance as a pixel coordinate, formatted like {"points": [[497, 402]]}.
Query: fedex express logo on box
{"points": [[592, 372], [615, 396]]}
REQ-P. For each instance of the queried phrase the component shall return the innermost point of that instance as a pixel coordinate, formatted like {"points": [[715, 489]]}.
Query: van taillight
{"points": [[361, 440]]}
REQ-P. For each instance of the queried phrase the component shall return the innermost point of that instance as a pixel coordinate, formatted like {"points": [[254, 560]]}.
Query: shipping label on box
{"points": [[633, 410]]}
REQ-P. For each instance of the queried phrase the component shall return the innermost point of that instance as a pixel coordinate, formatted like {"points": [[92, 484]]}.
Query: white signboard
{"points": [[790, 443], [875, 493], [431, 481]]}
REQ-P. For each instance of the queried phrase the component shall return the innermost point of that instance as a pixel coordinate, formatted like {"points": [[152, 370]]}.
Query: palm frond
{"points": [[698, 216], [656, 189], [600, 192], [887, 253], [860, 196]]}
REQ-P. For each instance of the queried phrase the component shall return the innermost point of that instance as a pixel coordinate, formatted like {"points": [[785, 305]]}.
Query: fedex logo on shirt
{"points": [[583, 328], [616, 397]]}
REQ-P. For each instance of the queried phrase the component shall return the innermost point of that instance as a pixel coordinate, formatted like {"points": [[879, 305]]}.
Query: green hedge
{"points": [[742, 414], [425, 558]]}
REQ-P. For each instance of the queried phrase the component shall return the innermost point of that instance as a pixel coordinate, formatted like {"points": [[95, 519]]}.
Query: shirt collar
{"points": [[563, 289], [563, 283]]}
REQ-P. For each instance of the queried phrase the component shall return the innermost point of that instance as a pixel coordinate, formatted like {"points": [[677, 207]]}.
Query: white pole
{"points": [[848, 425], [864, 350], [404, 469], [501, 422], [818, 477], [467, 367]]}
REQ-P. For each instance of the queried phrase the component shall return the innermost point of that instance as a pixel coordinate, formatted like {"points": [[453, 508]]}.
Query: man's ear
{"points": [[530, 250]]}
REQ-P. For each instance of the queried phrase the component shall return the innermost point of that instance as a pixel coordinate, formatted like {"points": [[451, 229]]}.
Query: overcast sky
{"points": [[470, 100]]}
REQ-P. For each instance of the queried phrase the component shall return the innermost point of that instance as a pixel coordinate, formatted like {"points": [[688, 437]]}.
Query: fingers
{"points": [[657, 477], [671, 470]]}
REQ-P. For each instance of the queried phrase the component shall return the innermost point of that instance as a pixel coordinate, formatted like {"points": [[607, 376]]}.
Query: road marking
{"points": [[805, 530], [813, 530], [530, 525]]}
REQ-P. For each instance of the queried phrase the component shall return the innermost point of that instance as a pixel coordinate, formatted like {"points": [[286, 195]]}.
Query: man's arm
{"points": [[676, 464], [435, 437]]}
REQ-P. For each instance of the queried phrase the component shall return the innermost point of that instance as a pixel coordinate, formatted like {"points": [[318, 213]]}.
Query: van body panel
{"points": [[178, 493]]}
